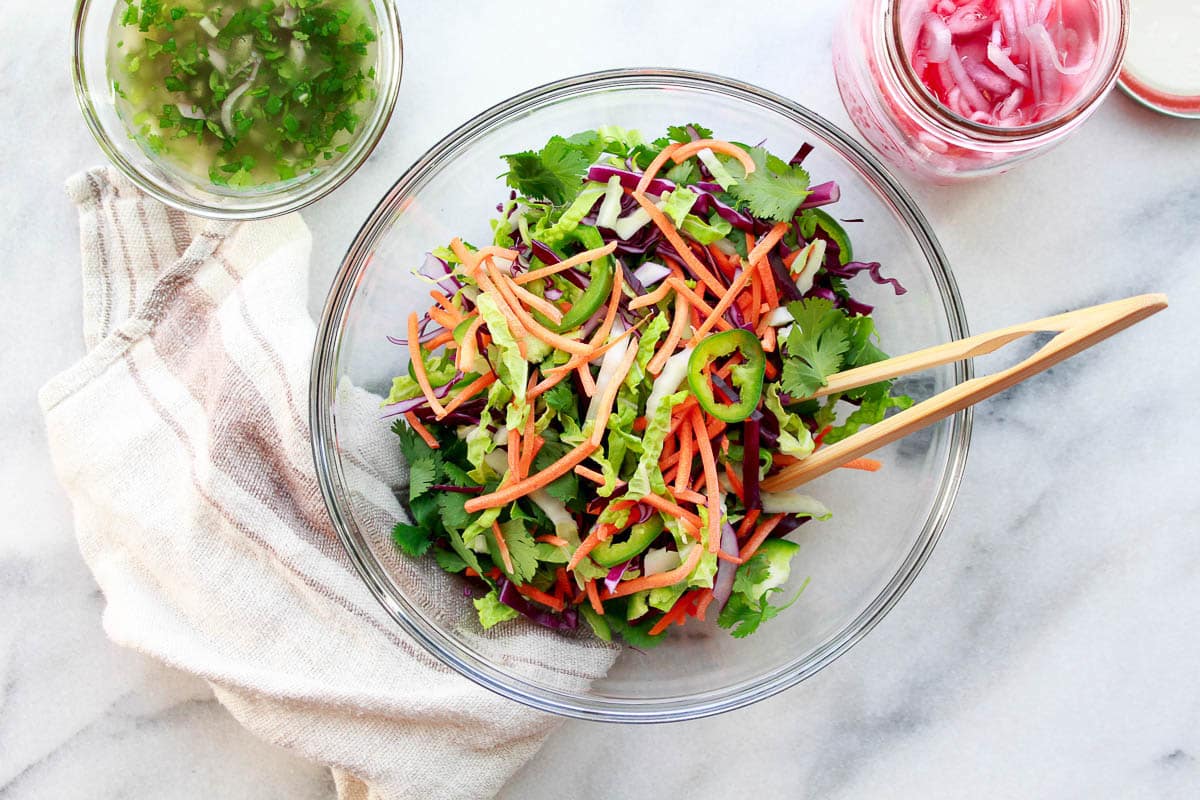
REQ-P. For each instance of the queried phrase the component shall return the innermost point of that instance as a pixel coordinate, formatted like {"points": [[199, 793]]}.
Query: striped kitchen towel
{"points": [[182, 440]]}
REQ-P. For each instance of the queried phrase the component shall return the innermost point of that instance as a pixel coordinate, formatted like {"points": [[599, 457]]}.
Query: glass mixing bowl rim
{"points": [[444, 647]]}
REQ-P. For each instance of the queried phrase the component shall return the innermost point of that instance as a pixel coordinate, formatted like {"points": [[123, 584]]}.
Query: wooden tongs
{"points": [[1077, 331]]}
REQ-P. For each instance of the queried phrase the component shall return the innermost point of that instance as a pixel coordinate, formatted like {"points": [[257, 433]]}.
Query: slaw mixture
{"points": [[595, 396]]}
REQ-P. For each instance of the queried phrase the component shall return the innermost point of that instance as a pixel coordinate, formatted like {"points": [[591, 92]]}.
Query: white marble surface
{"points": [[1049, 649]]}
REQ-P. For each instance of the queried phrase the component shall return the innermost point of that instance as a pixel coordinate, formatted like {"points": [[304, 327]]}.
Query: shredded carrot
{"points": [[724, 262], [418, 365], [543, 305], [540, 596], [639, 424], [791, 257], [820, 437], [465, 359], [585, 257], [760, 536], [768, 341], [594, 597], [735, 482], [685, 459], [598, 534], [669, 446], [610, 395], [562, 584], [767, 244], [767, 278], [470, 390], [668, 230], [590, 474], [688, 496], [868, 464], [494, 251], [676, 613], [445, 337], [695, 300], [421, 430], [711, 488], [586, 380], [514, 454], [442, 317], [702, 604], [443, 301], [470, 573], [668, 578], [671, 509], [502, 546], [539, 331], [514, 491], [528, 440], [784, 460], [689, 149], [654, 167], [515, 326], [651, 298], [550, 538], [747, 523], [667, 349], [468, 259]]}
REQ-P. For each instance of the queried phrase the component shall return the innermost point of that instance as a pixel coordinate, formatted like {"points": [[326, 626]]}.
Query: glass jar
{"points": [[906, 122]]}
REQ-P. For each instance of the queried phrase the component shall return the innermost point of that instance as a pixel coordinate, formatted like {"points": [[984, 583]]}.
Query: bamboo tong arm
{"points": [[1077, 331]]}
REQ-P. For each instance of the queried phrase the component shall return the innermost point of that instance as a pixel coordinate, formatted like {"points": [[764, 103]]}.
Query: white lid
{"points": [[1162, 60]]}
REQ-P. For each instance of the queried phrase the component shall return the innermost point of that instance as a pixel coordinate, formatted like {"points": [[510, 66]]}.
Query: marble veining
{"points": [[1049, 648]]}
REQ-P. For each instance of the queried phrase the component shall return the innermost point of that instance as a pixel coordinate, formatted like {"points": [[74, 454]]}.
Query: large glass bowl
{"points": [[193, 194], [860, 562]]}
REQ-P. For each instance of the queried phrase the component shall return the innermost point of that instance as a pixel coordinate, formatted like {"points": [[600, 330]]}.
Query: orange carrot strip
{"points": [[711, 487], [586, 379], [689, 149], [760, 536], [668, 578], [470, 573], [594, 597], [421, 430], [543, 305], [442, 317], [514, 454], [655, 166], [528, 440], [768, 242], [445, 337], [703, 603], [590, 474], [470, 390], [515, 325], [610, 395], [418, 365], [735, 482], [588, 545], [747, 522], [674, 614], [651, 298], [469, 348], [695, 300], [469, 259], [639, 424], [668, 230], [767, 278], [502, 546], [585, 257], [443, 301], [868, 464], [755, 300], [768, 341], [715, 426], [688, 496], [536, 328], [540, 596], [514, 491], [724, 262], [671, 509], [550, 538], [562, 584], [685, 459], [667, 349]]}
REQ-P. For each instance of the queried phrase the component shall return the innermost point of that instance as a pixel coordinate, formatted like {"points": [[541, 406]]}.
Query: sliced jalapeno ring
{"points": [[746, 377]]}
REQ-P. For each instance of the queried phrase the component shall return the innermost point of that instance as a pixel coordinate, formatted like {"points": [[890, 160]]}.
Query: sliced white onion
{"points": [[935, 38], [668, 381], [209, 27], [610, 209], [813, 255], [779, 317], [608, 369], [218, 60], [235, 95], [190, 111], [660, 560], [1005, 64], [650, 273]]}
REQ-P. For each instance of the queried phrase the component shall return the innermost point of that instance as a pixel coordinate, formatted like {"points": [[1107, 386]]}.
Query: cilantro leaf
{"points": [[522, 550], [565, 488], [743, 616], [681, 134], [414, 541], [872, 410], [411, 444], [422, 473], [449, 560], [634, 635], [454, 514], [555, 172], [815, 346], [774, 190]]}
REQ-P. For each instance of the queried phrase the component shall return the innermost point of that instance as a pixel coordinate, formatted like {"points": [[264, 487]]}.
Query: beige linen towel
{"points": [[182, 441]]}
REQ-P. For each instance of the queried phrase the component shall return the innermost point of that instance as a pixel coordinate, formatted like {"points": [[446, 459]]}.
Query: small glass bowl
{"points": [[884, 526], [93, 90]]}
